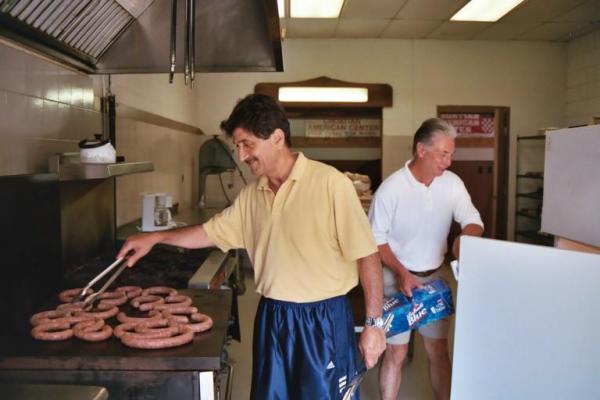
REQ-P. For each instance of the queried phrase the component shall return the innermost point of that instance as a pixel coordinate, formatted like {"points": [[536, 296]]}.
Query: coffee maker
{"points": [[156, 213]]}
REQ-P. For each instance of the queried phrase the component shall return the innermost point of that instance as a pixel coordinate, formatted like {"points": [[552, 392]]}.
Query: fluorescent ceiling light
{"points": [[324, 94], [281, 8], [485, 10], [315, 8]]}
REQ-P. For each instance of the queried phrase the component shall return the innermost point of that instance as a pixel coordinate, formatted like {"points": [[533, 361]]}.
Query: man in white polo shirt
{"points": [[411, 215]]}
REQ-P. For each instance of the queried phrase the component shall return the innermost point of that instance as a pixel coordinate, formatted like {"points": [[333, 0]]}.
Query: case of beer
{"points": [[429, 303]]}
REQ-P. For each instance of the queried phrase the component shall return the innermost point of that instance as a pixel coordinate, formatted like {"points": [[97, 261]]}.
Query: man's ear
{"points": [[278, 137], [420, 150]]}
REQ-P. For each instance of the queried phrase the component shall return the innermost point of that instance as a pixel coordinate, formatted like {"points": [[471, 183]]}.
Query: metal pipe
{"points": [[173, 39], [192, 40], [186, 54]]}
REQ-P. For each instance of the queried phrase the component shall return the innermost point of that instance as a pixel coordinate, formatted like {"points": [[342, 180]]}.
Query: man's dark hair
{"points": [[260, 115], [429, 128]]}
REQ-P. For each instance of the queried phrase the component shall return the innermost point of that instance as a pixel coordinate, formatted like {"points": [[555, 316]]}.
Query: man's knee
{"points": [[436, 349], [396, 353]]}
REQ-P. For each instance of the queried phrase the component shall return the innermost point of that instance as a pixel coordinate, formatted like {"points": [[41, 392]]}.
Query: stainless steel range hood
{"points": [[133, 36]]}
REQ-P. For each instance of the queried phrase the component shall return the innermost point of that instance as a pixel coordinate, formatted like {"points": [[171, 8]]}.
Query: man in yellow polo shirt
{"points": [[310, 242]]}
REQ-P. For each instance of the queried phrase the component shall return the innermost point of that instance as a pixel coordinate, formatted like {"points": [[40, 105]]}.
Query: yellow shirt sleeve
{"points": [[225, 229], [354, 233]]}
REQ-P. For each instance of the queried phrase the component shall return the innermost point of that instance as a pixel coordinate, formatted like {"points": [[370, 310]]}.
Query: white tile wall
{"points": [[583, 79], [44, 109], [175, 157]]}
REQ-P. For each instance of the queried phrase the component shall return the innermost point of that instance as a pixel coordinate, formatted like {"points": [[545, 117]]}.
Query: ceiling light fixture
{"points": [[485, 10], [315, 8], [323, 94]]}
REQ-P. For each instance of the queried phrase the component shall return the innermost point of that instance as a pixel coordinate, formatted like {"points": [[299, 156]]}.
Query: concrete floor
{"points": [[415, 381]]}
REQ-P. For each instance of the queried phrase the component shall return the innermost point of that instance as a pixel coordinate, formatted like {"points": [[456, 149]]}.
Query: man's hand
{"points": [[407, 282], [468, 230], [138, 246], [456, 247], [371, 345]]}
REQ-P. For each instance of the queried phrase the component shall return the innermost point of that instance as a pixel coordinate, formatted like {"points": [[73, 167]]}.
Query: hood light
{"points": [[323, 94]]}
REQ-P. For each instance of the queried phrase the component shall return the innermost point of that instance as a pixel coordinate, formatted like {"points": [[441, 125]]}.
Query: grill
{"points": [[163, 266], [33, 276], [185, 372]]}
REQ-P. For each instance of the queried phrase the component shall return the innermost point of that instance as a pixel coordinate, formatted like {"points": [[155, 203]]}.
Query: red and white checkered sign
{"points": [[471, 124]]}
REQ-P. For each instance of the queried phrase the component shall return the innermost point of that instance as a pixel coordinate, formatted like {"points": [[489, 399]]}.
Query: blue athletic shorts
{"points": [[303, 350]]}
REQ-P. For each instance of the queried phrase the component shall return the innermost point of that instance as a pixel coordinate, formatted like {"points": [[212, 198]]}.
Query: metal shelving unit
{"points": [[530, 192]]}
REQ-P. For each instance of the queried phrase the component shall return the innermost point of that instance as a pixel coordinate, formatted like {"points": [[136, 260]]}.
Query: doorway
{"points": [[481, 161]]}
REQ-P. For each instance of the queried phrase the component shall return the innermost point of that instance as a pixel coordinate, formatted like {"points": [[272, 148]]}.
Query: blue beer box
{"points": [[430, 303]]}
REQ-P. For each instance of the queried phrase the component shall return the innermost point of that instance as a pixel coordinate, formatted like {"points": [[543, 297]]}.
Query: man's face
{"points": [[438, 155], [258, 153]]}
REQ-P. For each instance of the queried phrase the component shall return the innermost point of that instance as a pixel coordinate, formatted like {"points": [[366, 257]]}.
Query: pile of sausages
{"points": [[170, 319]]}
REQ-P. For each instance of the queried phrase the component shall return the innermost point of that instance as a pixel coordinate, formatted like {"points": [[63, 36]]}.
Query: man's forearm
{"points": [[472, 230], [390, 260], [369, 269], [468, 230]]}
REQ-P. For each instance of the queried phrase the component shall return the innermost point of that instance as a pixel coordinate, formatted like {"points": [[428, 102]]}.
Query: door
{"points": [[481, 161]]}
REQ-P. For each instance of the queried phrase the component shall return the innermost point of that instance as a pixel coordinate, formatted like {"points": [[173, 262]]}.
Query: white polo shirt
{"points": [[415, 219]]}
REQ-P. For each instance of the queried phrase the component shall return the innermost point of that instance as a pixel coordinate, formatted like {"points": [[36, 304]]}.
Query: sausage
{"points": [[93, 330], [112, 299], [128, 329], [123, 318], [174, 301], [56, 330], [66, 296], [202, 322], [124, 328], [184, 335], [47, 316], [157, 326], [102, 312], [130, 291], [197, 322], [70, 307], [146, 302], [159, 290]]}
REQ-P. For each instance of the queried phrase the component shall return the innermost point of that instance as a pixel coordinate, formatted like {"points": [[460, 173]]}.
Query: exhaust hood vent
{"points": [[88, 27], [132, 36]]}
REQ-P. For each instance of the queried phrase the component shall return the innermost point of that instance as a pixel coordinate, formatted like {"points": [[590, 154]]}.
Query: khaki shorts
{"points": [[434, 330]]}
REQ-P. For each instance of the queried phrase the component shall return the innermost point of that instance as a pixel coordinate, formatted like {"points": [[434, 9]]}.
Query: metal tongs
{"points": [[355, 383], [89, 299]]}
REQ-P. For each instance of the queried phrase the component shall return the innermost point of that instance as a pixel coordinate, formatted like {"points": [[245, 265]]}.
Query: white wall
{"points": [[528, 77], [154, 94], [583, 79], [44, 109]]}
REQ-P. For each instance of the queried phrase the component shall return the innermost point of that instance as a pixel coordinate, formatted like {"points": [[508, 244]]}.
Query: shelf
{"points": [[534, 137], [533, 217], [541, 177], [532, 195], [541, 238]]}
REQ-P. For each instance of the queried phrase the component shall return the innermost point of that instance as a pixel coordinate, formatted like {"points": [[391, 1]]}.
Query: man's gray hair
{"points": [[429, 128]]}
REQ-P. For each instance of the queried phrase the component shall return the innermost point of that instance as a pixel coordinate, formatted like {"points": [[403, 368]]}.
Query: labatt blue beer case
{"points": [[429, 303]]}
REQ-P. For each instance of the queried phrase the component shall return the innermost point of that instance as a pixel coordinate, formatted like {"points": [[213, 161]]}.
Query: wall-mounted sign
{"points": [[471, 124], [343, 128]]}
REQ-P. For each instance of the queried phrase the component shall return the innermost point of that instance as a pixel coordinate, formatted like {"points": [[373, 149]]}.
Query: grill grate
{"points": [[88, 26]]}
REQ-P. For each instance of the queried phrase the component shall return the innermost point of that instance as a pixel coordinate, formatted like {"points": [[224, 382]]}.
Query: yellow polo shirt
{"points": [[305, 240]]}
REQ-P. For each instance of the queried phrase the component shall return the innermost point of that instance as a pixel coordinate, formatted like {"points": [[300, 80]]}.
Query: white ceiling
{"points": [[546, 20]]}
